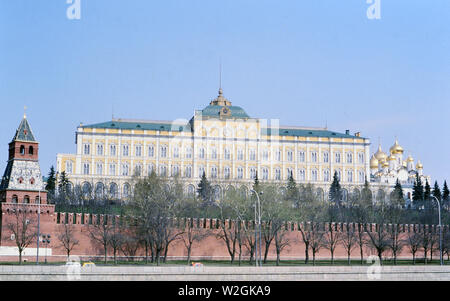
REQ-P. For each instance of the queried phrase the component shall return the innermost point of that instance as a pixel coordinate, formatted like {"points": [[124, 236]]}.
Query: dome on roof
{"points": [[396, 148], [380, 155], [374, 162], [419, 165], [215, 111]]}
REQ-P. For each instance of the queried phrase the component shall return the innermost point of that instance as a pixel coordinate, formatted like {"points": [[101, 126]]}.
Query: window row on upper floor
{"points": [[226, 172], [213, 153]]}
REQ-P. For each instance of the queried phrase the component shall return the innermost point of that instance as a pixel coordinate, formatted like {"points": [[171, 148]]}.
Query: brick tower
{"points": [[22, 187], [22, 180]]}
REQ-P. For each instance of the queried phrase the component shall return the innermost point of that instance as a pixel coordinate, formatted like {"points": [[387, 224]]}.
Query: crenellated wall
{"points": [[210, 247]]}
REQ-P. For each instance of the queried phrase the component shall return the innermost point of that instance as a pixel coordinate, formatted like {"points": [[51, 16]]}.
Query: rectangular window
{"points": [[87, 149], [240, 154], [188, 153], [86, 168], [227, 154], [112, 150], [99, 149], [151, 151], [301, 156], [112, 169], [125, 150], [326, 157], [138, 151], [252, 155], [289, 156]]}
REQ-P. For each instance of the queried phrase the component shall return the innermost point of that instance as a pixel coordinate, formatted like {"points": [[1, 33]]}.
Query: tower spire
{"points": [[24, 111]]}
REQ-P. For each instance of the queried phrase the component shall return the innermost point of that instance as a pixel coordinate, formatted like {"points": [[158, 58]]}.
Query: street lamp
{"points": [[46, 240], [39, 226], [440, 229], [259, 229]]}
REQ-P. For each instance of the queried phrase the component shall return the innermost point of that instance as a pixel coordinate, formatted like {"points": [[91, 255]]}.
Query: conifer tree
{"points": [[417, 194], [427, 193], [366, 194], [437, 191], [445, 195], [335, 189], [204, 189], [63, 182], [51, 182], [256, 186], [397, 194], [292, 191]]}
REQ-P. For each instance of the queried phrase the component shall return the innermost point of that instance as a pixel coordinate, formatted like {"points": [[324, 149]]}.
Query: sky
{"points": [[307, 63]]}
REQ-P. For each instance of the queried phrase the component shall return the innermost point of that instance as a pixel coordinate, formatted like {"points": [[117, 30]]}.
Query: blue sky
{"points": [[310, 62]]}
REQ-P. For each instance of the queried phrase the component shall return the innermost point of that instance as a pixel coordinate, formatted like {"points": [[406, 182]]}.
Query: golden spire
{"points": [[24, 111]]}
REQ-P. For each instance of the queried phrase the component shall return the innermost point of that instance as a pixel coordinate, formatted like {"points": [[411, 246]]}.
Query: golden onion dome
{"points": [[419, 165], [392, 158], [374, 162], [396, 148], [410, 159], [380, 155]]}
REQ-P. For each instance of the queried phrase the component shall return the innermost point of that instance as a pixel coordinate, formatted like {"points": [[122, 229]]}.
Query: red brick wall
{"points": [[210, 248]]}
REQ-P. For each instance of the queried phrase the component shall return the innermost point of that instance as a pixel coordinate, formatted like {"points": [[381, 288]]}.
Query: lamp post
{"points": [[46, 241], [39, 226], [440, 229], [259, 228]]}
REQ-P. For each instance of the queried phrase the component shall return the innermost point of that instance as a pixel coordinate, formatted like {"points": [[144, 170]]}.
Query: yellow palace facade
{"points": [[223, 142]]}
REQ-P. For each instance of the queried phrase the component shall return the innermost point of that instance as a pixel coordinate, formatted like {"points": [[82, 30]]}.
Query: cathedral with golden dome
{"points": [[385, 169]]}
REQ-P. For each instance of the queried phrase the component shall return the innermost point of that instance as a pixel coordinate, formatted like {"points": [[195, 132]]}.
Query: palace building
{"points": [[223, 142]]}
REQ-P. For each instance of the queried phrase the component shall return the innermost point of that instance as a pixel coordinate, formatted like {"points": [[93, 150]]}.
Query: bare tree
{"points": [[280, 237], [378, 238], [396, 243], [311, 214], [349, 240], [99, 233], [66, 237], [426, 242], [414, 243], [316, 239], [331, 240], [115, 239], [21, 226]]}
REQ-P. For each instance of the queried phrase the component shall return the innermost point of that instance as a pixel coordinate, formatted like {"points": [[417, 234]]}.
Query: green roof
{"points": [[306, 133], [135, 125], [214, 110], [24, 132]]}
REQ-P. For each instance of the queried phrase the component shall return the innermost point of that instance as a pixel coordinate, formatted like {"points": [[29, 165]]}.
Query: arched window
{"points": [[99, 188], [14, 199], [126, 190], [86, 189], [113, 190], [37, 200], [26, 199], [22, 150], [30, 150]]}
